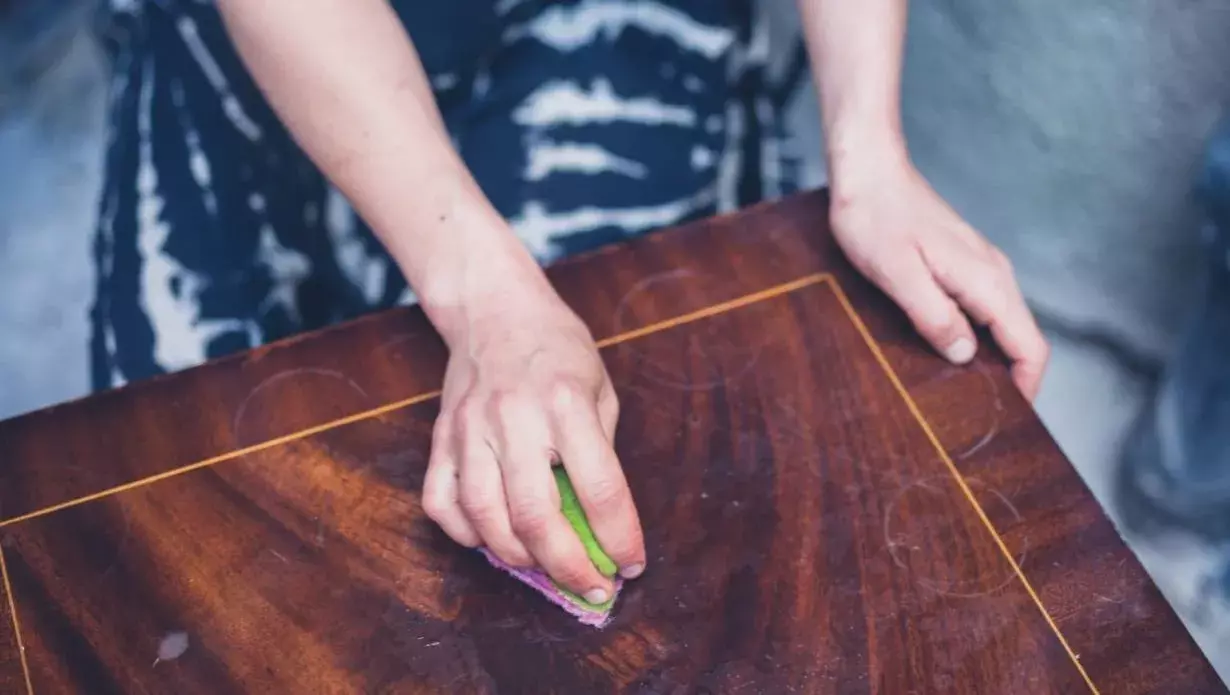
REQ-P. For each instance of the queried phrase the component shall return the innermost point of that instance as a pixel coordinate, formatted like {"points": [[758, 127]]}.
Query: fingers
{"points": [[598, 478], [440, 492], [503, 494], [608, 411], [934, 314], [533, 502], [926, 285], [482, 496], [919, 251], [988, 290]]}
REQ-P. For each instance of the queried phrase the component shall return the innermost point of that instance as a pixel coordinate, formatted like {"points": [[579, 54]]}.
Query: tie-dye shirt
{"points": [[584, 121]]}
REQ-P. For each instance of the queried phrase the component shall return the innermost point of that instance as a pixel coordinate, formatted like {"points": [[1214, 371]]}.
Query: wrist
{"points": [[864, 155], [463, 290]]}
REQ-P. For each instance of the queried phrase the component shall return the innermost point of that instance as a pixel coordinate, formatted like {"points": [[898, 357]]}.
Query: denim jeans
{"points": [[1176, 469]]}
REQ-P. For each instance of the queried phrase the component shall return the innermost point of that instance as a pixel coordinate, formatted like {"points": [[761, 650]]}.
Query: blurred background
{"points": [[1069, 131]]}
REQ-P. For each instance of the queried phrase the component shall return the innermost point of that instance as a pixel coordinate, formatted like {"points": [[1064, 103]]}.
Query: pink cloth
{"points": [[543, 584]]}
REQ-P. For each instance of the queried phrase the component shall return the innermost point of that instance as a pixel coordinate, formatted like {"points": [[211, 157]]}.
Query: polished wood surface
{"points": [[829, 508]]}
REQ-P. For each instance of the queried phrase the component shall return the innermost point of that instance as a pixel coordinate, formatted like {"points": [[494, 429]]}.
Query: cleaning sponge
{"points": [[570, 505], [597, 615]]}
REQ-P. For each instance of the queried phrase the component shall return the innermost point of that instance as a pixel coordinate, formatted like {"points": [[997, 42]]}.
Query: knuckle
{"points": [[1043, 352], [572, 573], [939, 322], [513, 555], [441, 427], [468, 417], [946, 275], [477, 503], [1000, 261], [520, 554], [989, 287], [626, 545], [937, 319], [610, 399], [997, 274], [529, 519], [565, 394], [441, 441], [997, 303], [504, 404], [435, 504], [606, 496], [987, 272]]}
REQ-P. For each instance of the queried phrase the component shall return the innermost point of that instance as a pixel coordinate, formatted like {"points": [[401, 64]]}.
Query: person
{"points": [[474, 141]]}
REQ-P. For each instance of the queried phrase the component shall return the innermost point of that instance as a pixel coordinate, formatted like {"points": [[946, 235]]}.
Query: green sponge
{"points": [[571, 506], [597, 615]]}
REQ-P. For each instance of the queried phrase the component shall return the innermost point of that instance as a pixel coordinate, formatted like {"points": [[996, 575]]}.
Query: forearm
{"points": [[856, 53], [344, 77]]}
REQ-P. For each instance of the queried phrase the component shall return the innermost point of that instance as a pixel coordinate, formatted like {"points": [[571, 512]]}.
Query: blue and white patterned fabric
{"points": [[584, 121]]}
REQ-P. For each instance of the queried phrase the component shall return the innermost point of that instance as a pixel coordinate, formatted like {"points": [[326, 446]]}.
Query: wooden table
{"points": [[829, 508]]}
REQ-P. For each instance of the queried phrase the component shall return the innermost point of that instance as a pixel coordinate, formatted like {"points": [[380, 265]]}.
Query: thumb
{"points": [[910, 283]]}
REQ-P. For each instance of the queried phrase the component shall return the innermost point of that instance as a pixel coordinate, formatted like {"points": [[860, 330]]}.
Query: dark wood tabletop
{"points": [[829, 508]]}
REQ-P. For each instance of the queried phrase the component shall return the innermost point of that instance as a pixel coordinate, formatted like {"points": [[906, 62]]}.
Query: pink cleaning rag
{"points": [[587, 613]]}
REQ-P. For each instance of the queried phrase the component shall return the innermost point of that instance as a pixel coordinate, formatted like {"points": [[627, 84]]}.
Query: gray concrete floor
{"points": [[1067, 130]]}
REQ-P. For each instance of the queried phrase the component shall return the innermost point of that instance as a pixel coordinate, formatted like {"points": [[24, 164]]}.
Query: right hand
{"points": [[525, 387]]}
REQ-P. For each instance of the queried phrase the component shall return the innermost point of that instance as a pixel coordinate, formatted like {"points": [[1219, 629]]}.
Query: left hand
{"points": [[902, 235]]}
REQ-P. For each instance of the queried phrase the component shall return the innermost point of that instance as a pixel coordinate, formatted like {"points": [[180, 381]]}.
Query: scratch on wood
{"points": [[893, 542], [694, 345], [282, 376], [997, 415]]}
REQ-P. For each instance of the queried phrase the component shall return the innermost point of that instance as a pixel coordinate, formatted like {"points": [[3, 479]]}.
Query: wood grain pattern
{"points": [[829, 508], [12, 671]]}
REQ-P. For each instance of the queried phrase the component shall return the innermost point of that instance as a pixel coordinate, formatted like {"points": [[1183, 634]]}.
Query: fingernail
{"points": [[595, 596], [961, 351], [632, 571]]}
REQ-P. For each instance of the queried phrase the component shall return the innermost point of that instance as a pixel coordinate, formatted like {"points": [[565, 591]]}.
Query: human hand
{"points": [[902, 235], [525, 387]]}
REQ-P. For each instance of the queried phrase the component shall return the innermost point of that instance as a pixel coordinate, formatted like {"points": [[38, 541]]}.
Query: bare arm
{"points": [[524, 379], [856, 52], [344, 77], [892, 225]]}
